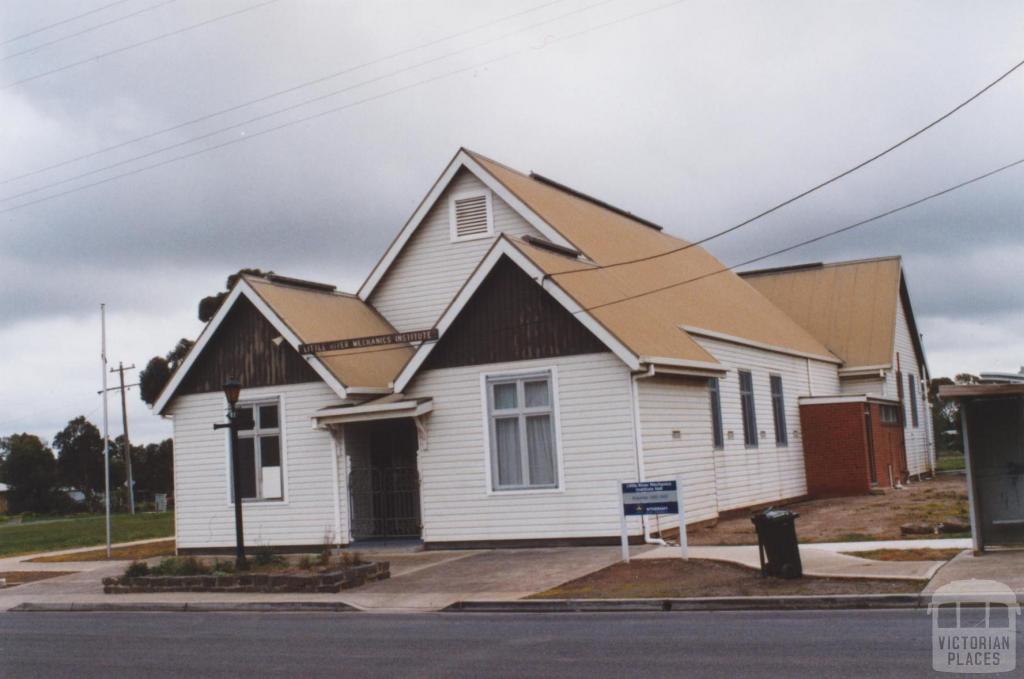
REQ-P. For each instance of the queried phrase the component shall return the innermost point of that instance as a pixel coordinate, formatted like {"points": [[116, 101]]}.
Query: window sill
{"points": [[524, 491], [256, 501]]}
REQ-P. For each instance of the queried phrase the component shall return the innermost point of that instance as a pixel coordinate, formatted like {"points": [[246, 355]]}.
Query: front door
{"points": [[385, 483]]}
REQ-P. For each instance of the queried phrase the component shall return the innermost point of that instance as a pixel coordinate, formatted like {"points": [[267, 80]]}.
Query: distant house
{"points": [[519, 350], [4, 489]]}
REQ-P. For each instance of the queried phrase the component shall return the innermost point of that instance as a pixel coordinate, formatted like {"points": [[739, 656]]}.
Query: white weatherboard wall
{"points": [[748, 476], [431, 269], [597, 450], [683, 405], [204, 515], [920, 453]]}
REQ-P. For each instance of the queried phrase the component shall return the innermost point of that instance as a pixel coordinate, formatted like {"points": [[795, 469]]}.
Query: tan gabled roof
{"points": [[317, 315], [721, 303], [640, 325], [849, 306]]}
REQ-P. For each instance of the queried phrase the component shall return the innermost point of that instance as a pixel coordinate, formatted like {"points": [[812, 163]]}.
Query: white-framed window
{"points": [[779, 410], [470, 215], [747, 408], [715, 396], [522, 430], [259, 450]]}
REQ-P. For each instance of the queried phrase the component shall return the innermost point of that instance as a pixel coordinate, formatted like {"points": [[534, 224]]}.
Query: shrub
{"points": [[265, 556], [223, 567], [181, 565], [136, 569], [306, 562]]}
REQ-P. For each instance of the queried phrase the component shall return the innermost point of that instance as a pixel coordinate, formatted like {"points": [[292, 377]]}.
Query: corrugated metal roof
{"points": [[723, 303], [322, 316], [849, 306]]}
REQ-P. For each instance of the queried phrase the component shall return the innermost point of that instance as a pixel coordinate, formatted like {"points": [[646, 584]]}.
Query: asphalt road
{"points": [[307, 645]]}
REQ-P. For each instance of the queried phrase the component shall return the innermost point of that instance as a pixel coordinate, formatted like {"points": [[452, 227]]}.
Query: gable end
{"points": [[243, 347], [511, 318]]}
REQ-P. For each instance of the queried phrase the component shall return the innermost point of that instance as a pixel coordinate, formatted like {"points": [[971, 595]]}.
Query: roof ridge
{"points": [[819, 265], [299, 284]]}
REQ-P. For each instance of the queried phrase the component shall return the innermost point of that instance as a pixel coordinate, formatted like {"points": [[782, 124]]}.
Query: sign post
{"points": [[651, 498], [684, 549], [622, 524]]}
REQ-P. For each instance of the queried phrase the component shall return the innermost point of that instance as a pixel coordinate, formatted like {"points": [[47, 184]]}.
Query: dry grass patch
{"points": [[857, 518], [130, 553], [921, 554], [669, 578], [21, 577]]}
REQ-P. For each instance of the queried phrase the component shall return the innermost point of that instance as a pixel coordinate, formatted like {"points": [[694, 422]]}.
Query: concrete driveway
{"points": [[433, 580]]}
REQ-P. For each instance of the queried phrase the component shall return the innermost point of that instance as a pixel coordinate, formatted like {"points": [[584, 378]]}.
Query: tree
{"points": [[158, 370], [153, 466], [80, 460], [208, 306], [30, 470]]}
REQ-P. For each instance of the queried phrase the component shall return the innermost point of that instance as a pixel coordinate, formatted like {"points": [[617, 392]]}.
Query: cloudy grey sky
{"points": [[696, 114]]}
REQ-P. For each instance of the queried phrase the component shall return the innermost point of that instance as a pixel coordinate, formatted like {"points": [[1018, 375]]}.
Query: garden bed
{"points": [[267, 575], [661, 578]]}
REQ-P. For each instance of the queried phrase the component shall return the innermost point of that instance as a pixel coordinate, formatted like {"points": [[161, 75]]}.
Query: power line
{"points": [[137, 44], [87, 30], [336, 109], [823, 184], [63, 21], [815, 239], [298, 105], [279, 93]]}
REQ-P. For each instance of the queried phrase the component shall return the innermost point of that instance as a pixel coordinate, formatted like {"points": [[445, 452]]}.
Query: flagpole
{"points": [[106, 437]]}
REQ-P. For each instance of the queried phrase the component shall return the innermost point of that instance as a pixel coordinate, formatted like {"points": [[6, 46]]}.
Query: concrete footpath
{"points": [[816, 561], [500, 579]]}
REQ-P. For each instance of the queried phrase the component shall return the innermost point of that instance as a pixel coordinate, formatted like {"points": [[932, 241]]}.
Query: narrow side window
{"points": [[715, 394], [747, 405]]}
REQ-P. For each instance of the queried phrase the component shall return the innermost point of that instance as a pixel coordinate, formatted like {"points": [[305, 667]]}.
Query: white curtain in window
{"points": [[506, 440], [540, 442]]}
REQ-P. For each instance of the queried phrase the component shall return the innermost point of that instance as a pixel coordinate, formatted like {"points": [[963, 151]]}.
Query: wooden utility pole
{"points": [[127, 444]]}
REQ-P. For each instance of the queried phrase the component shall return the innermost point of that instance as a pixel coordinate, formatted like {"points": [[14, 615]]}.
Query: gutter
{"points": [[638, 442]]}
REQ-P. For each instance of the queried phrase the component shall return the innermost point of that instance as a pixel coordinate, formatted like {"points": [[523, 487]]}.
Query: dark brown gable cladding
{"points": [[243, 347], [511, 318]]}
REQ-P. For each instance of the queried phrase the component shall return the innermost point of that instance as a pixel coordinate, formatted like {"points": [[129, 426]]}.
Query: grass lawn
{"points": [[949, 463], [85, 531], [919, 554], [21, 577], [132, 553], [658, 578]]}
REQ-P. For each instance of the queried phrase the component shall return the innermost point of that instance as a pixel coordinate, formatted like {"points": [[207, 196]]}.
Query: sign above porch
{"points": [[371, 341]]}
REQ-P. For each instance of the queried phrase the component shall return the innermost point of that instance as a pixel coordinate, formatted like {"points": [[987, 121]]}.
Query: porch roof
{"points": [[389, 407]]}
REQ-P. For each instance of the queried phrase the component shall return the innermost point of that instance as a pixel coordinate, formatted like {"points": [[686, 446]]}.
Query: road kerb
{"points": [[749, 603]]}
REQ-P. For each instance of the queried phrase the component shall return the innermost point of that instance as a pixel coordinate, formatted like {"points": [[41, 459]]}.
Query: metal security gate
{"points": [[385, 502], [384, 483]]}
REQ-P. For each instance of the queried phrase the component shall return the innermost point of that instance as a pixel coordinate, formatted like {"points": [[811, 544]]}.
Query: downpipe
{"points": [[648, 540]]}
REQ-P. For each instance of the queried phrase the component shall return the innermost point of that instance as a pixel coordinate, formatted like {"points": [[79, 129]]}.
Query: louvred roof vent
{"points": [[471, 216]]}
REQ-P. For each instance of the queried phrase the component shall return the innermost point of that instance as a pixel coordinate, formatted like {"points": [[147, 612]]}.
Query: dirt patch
{"points": [[131, 553], [907, 554], [21, 577], [700, 578], [857, 518]]}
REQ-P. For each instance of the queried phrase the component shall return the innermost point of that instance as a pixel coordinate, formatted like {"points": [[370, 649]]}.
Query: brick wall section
{"points": [[835, 449], [889, 448]]}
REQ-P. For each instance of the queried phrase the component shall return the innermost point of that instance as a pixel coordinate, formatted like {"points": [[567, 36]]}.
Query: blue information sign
{"points": [[649, 498]]}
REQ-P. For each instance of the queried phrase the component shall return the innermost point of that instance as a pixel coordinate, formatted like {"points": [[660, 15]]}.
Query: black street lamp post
{"points": [[232, 387]]}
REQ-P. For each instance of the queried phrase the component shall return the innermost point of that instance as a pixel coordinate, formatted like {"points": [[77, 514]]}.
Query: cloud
{"points": [[696, 116]]}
